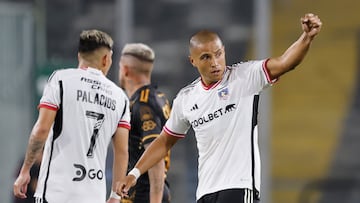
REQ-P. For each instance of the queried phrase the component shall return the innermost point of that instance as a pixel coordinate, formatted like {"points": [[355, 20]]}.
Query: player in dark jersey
{"points": [[150, 110]]}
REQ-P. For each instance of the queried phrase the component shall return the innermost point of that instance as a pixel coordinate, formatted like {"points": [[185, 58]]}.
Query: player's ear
{"points": [[104, 60], [191, 61], [126, 70]]}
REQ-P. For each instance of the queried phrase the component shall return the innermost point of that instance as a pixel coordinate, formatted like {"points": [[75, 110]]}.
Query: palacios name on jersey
{"points": [[96, 98]]}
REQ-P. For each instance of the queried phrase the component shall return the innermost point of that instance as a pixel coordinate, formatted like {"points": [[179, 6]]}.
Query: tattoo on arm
{"points": [[34, 149]]}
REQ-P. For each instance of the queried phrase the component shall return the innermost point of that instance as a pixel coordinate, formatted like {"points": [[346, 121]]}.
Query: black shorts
{"points": [[229, 196]]}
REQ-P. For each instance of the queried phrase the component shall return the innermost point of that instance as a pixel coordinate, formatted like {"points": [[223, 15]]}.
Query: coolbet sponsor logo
{"points": [[213, 115], [81, 173]]}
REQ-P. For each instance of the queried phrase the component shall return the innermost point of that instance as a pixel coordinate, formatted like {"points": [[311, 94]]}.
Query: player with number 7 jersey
{"points": [[81, 111], [89, 110]]}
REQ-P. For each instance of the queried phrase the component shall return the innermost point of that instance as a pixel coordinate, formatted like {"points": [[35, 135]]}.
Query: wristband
{"points": [[135, 172], [115, 195]]}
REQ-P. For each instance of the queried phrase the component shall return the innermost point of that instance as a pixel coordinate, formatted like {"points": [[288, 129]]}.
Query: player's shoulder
{"points": [[245, 64], [188, 89], [243, 68], [155, 92], [240, 64], [116, 88], [61, 73], [149, 94]]}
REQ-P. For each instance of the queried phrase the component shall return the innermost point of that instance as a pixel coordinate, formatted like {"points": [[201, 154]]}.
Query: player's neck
{"points": [[133, 86], [85, 64]]}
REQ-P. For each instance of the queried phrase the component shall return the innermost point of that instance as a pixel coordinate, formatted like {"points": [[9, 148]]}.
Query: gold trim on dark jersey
{"points": [[149, 136], [144, 95]]}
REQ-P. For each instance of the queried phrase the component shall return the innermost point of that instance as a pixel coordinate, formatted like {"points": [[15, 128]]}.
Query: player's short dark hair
{"points": [[91, 40]]}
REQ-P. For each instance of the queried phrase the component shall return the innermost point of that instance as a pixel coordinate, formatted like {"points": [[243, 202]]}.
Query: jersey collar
{"points": [[92, 70], [211, 86]]}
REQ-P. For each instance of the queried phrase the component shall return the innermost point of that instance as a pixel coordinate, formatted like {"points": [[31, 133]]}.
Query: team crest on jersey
{"points": [[223, 93]]}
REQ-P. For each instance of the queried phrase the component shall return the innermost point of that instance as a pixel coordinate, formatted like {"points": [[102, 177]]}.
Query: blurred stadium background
{"points": [[312, 114]]}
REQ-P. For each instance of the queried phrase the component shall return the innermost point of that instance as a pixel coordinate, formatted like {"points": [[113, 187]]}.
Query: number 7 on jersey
{"points": [[99, 121]]}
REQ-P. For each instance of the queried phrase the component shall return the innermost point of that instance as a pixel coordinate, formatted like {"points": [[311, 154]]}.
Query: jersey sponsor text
{"points": [[211, 116]]}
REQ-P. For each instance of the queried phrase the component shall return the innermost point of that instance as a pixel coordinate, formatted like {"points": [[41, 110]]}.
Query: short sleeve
{"points": [[255, 75], [125, 115], [51, 95], [177, 125]]}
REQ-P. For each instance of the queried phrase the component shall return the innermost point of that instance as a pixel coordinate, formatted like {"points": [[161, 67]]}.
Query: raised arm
{"points": [[152, 155], [293, 56]]}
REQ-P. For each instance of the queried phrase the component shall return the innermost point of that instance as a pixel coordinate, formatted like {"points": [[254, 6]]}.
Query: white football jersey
{"points": [[89, 110], [224, 119]]}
